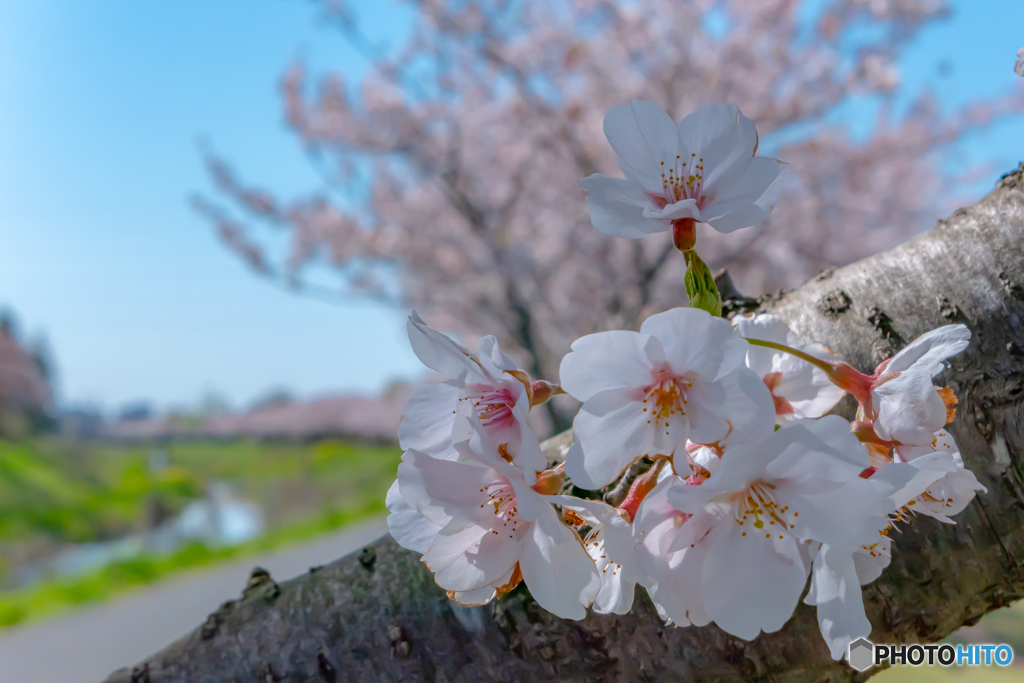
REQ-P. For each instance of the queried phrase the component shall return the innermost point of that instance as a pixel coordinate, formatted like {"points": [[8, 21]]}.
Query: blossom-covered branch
{"points": [[755, 490]]}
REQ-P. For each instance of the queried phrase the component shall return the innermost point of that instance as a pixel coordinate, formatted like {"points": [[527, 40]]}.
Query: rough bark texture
{"points": [[378, 616]]}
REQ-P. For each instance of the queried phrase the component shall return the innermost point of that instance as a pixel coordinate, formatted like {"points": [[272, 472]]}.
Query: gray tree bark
{"points": [[377, 615]]}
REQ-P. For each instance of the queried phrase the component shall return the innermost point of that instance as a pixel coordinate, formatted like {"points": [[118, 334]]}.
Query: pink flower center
{"points": [[494, 407], [681, 180], [501, 498]]}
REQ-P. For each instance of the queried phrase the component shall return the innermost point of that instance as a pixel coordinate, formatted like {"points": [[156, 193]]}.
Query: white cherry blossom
{"points": [[908, 407], [489, 389], [681, 377], [743, 531], [1018, 68], [491, 521], [798, 388], [704, 169]]}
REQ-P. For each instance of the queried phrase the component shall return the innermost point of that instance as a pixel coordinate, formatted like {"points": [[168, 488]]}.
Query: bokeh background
{"points": [[215, 216]]}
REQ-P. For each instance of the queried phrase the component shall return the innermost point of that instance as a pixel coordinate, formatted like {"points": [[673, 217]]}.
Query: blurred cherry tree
{"points": [[450, 172]]}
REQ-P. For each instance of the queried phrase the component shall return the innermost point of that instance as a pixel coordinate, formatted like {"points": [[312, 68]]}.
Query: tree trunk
{"points": [[378, 615]]}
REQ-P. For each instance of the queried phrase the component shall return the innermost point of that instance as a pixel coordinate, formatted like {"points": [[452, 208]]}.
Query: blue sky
{"points": [[101, 108]]}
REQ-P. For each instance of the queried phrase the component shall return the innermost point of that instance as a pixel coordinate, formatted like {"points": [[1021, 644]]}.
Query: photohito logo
{"points": [[863, 654]]}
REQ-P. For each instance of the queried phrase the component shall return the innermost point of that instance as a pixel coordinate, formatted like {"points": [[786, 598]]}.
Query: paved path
{"points": [[87, 645]]}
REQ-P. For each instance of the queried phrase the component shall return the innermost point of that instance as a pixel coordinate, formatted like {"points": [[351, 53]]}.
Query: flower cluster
{"points": [[753, 496]]}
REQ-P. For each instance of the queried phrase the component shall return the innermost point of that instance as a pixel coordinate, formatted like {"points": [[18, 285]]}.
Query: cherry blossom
{"points": [[702, 170], [681, 377], [798, 388], [490, 389], [491, 522], [899, 398], [741, 532], [1018, 68]]}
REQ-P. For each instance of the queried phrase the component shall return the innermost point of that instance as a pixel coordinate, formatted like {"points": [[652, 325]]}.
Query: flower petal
{"points": [[642, 136], [697, 342], [409, 528], [618, 359], [441, 489], [467, 554], [928, 352], [439, 352], [558, 571], [611, 432], [749, 199], [835, 589], [617, 207], [429, 419], [751, 583], [909, 409], [722, 136]]}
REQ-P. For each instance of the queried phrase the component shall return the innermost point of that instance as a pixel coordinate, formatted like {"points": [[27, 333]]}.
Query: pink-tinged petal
{"points": [[609, 360], [409, 528], [441, 489], [439, 352], [927, 353], [429, 419], [617, 207], [722, 136], [909, 409], [642, 136], [611, 432], [466, 555], [835, 589], [696, 342], [749, 199], [558, 571], [751, 583]]}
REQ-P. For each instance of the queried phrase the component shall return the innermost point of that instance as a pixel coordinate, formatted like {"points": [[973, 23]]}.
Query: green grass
{"points": [[54, 493]]}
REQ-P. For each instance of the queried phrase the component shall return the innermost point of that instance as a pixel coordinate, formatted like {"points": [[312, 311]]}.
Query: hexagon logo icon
{"points": [[861, 654]]}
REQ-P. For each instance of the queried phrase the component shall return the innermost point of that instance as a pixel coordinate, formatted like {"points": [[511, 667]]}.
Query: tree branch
{"points": [[378, 615]]}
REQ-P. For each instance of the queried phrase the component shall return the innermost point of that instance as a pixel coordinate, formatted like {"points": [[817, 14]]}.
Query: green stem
{"points": [[816, 362]]}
